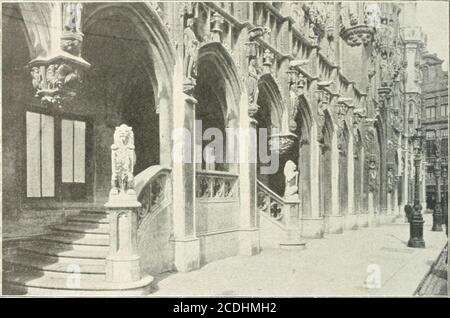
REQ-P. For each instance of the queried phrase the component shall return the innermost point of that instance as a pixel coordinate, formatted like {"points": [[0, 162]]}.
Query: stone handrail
{"points": [[270, 203], [213, 184], [152, 190]]}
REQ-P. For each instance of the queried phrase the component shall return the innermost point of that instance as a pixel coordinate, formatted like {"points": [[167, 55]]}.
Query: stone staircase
{"points": [[69, 260]]}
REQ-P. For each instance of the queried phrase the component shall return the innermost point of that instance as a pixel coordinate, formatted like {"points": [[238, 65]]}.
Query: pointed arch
{"points": [[270, 98]]}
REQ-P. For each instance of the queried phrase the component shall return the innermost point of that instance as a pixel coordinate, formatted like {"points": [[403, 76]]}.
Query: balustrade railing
{"points": [[270, 203], [216, 185], [153, 190]]}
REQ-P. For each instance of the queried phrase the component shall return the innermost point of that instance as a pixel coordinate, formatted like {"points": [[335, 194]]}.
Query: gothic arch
{"points": [[215, 54], [270, 97], [150, 27]]}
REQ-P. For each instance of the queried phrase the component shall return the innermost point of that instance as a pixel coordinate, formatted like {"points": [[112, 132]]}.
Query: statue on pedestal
{"points": [[123, 159], [72, 16], [190, 51], [252, 84], [372, 176], [291, 180]]}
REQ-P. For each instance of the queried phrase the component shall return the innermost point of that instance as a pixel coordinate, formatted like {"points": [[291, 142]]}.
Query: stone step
{"points": [[89, 218], [80, 228], [94, 212], [75, 239], [29, 284], [42, 263], [63, 251]]}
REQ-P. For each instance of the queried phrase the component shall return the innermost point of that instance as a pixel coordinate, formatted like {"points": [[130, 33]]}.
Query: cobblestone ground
{"points": [[336, 265]]}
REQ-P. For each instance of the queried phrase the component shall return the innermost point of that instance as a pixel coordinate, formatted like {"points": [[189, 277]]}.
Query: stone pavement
{"points": [[337, 265]]}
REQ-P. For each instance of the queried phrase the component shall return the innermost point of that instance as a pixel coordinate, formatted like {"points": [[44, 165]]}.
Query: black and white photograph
{"points": [[235, 149]]}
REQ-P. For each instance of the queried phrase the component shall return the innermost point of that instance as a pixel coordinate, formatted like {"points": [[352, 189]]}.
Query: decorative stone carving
{"points": [[372, 169], [253, 69], [216, 27], [123, 159], [282, 143], [322, 102], [390, 180], [55, 82], [354, 31], [268, 58], [252, 86], [190, 53], [72, 16], [72, 36], [291, 180]]}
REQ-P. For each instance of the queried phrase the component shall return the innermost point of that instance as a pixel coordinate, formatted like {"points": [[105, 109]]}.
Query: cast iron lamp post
{"points": [[437, 212], [416, 223]]}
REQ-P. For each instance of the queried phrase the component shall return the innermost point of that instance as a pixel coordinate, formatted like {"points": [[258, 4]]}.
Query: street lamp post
{"points": [[416, 223], [437, 212]]}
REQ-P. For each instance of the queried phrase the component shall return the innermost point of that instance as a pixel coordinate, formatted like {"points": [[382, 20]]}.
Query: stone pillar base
{"points": [[187, 254], [249, 242], [350, 222], [312, 227], [362, 220], [293, 240], [123, 269], [335, 224], [372, 220]]}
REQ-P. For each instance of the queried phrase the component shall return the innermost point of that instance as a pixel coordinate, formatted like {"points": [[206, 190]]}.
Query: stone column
{"points": [[335, 222], [249, 217], [373, 185], [186, 243], [314, 173], [352, 222]]}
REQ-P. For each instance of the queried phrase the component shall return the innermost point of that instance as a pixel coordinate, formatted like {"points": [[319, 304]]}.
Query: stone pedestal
{"points": [[334, 224], [291, 218], [122, 262], [350, 222], [312, 227], [363, 220]]}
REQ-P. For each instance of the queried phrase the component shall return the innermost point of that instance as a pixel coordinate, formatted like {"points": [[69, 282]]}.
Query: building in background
{"points": [[338, 84], [435, 122]]}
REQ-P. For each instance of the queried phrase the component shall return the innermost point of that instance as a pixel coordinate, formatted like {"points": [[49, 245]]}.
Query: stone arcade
{"points": [[336, 81]]}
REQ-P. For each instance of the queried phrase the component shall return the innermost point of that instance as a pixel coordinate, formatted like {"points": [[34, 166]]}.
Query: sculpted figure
{"points": [[72, 16], [36, 78], [372, 176], [190, 51], [390, 180], [123, 159], [291, 180], [252, 82]]}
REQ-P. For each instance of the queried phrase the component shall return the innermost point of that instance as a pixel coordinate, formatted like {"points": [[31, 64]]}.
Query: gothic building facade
{"points": [[337, 85], [435, 125]]}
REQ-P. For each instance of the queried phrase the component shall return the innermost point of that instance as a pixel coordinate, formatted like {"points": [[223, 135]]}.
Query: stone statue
{"points": [[252, 83], [190, 51], [291, 180], [390, 180], [36, 78], [372, 176], [385, 70], [72, 16], [123, 159], [437, 145]]}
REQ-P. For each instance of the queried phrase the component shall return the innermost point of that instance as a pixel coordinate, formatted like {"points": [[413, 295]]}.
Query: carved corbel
{"points": [[57, 78], [216, 27], [268, 59]]}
